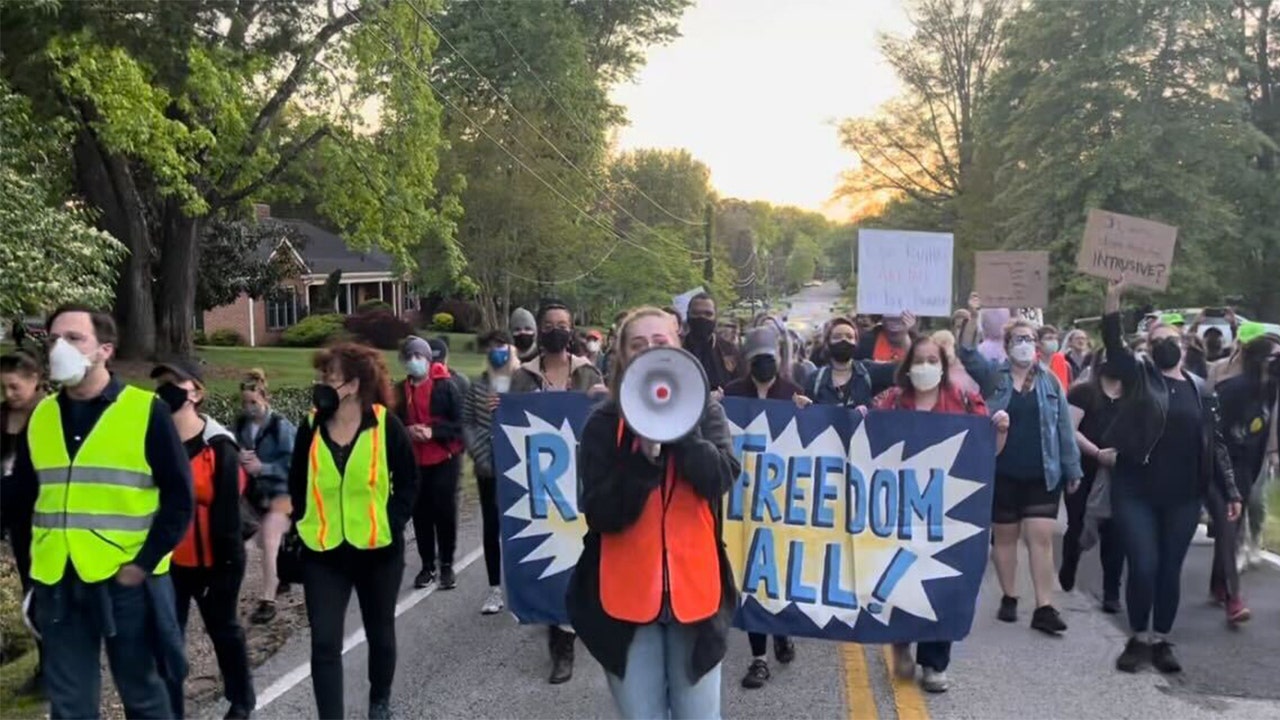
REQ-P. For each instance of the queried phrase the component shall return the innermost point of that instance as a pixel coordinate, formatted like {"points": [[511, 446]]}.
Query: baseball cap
{"points": [[761, 341], [181, 368], [594, 335], [1251, 331], [1173, 319]]}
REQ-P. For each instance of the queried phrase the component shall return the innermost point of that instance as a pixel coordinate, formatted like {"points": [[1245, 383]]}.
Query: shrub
{"points": [[380, 328], [442, 322], [224, 337], [371, 306], [466, 315], [199, 338], [314, 331]]}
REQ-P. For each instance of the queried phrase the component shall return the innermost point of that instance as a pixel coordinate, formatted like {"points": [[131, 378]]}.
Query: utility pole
{"points": [[708, 271]]}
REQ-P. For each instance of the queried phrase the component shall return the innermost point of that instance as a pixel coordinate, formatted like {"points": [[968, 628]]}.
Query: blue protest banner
{"points": [[866, 530]]}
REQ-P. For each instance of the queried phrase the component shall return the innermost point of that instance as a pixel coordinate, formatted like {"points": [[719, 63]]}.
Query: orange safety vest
{"points": [[670, 549], [1058, 364], [196, 550]]}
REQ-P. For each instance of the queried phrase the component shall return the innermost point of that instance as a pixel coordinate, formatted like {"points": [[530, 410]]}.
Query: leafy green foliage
{"points": [[314, 331], [224, 337], [52, 254], [442, 322], [236, 256]]}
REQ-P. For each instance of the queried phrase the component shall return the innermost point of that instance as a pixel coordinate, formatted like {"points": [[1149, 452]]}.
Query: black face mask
{"points": [[173, 396], [764, 368], [523, 341], [324, 399], [1166, 353], [555, 340], [701, 328], [841, 351]]}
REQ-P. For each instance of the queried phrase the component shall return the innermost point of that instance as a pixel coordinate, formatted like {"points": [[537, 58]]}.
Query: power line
{"points": [[619, 236], [572, 118], [580, 276], [521, 116]]}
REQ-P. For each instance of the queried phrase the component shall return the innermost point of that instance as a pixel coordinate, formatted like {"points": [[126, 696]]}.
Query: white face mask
{"points": [[67, 365], [593, 346], [501, 383], [1022, 353], [925, 376]]}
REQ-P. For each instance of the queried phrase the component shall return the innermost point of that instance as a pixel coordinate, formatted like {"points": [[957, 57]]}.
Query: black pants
{"points": [[1225, 578], [435, 512], [216, 592], [489, 518], [1110, 550], [760, 643], [327, 584]]}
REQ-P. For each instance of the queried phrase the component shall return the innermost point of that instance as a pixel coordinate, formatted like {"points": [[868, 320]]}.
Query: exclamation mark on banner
{"points": [[898, 566]]}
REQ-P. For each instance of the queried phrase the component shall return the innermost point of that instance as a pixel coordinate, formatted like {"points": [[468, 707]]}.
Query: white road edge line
{"points": [[1272, 558], [290, 680]]}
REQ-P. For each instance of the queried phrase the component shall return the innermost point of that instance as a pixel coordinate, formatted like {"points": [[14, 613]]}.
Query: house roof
{"points": [[323, 252]]}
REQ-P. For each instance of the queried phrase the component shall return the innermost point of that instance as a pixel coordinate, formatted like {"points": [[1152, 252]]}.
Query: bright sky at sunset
{"points": [[753, 88]]}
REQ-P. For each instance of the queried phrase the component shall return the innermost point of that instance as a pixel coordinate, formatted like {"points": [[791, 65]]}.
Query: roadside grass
{"points": [[1271, 530], [13, 676]]}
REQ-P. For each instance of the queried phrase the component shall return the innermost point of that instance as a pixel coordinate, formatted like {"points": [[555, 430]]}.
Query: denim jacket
{"points": [[274, 444], [1061, 455]]}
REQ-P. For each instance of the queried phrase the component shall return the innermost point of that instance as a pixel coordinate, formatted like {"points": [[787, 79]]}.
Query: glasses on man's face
{"points": [[1022, 340]]}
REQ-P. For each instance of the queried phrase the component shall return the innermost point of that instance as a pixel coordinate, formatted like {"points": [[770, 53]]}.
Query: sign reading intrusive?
{"points": [[1140, 250]]}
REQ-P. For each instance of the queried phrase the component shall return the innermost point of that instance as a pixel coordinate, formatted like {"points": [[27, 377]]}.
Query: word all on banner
{"points": [[865, 530]]}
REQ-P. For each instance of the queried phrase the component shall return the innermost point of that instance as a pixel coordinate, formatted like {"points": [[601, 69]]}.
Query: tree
{"points": [[238, 256], [1133, 118], [187, 111], [52, 253]]}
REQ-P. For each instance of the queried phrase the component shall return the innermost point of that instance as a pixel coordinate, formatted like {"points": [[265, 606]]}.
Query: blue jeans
{"points": [[1156, 537], [657, 684], [75, 618]]}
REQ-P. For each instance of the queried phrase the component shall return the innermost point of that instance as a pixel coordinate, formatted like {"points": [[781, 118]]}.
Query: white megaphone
{"points": [[663, 394]]}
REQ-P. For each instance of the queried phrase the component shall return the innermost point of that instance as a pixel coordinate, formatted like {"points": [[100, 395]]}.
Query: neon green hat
{"points": [[1250, 331], [1173, 319]]}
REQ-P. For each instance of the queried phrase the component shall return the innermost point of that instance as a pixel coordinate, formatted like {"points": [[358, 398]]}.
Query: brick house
{"points": [[366, 276]]}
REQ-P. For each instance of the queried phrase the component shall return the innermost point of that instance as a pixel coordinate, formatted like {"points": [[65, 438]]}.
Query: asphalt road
{"points": [[453, 662]]}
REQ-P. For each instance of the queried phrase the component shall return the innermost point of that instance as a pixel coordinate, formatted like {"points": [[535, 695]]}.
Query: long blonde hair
{"points": [[621, 354]]}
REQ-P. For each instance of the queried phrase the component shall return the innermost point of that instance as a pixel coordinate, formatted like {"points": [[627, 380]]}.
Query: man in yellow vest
{"points": [[109, 484]]}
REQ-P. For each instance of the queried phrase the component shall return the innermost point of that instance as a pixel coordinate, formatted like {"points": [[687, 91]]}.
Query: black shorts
{"points": [[1016, 500]]}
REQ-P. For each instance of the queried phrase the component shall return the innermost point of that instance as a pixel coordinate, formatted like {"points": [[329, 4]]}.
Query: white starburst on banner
{"points": [[562, 537], [869, 554]]}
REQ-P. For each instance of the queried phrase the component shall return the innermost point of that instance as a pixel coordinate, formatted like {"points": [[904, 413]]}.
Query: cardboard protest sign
{"points": [[1115, 245], [900, 270], [839, 527], [1012, 279]]}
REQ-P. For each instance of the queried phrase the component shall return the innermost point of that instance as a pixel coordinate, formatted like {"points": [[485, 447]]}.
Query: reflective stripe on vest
{"points": [[350, 506], [95, 510], [670, 550]]}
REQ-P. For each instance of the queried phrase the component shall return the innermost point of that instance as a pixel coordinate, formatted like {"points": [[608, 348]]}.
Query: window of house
{"points": [[282, 308]]}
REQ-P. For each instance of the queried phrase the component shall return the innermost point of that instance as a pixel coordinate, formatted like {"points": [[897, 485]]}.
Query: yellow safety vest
{"points": [[95, 510], [351, 505]]}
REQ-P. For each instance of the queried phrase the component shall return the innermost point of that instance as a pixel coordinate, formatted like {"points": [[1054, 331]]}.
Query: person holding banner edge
{"points": [[922, 383], [661, 651], [766, 383], [1170, 459], [1039, 458], [844, 380]]}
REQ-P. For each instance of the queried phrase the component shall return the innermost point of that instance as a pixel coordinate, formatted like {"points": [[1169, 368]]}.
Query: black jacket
{"points": [[446, 407], [866, 347], [1247, 418], [615, 485], [224, 513], [1140, 416], [869, 380]]}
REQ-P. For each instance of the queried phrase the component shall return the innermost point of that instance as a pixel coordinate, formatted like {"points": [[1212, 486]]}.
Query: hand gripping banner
{"points": [[867, 530]]}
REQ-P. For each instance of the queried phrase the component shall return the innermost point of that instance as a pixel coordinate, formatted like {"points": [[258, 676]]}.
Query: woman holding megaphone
{"points": [[652, 595]]}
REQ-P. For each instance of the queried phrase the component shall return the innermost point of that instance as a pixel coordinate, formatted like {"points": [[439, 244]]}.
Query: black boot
{"points": [[561, 644]]}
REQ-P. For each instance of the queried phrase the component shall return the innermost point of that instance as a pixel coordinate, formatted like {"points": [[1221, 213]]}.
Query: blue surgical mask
{"points": [[416, 368], [499, 357]]}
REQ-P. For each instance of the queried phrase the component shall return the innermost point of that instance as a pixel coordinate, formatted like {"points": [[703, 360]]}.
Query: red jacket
{"points": [[421, 407]]}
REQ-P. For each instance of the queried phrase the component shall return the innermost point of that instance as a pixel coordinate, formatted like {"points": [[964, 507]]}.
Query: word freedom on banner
{"points": [[866, 530]]}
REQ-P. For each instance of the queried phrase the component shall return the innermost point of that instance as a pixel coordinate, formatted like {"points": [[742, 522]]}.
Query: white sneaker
{"points": [[1254, 553], [1242, 558], [934, 681], [493, 602]]}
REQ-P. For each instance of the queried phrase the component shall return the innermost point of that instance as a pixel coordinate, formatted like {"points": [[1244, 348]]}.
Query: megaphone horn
{"points": [[663, 394]]}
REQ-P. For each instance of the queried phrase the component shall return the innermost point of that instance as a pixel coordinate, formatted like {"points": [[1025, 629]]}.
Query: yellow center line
{"points": [[907, 697], [859, 696]]}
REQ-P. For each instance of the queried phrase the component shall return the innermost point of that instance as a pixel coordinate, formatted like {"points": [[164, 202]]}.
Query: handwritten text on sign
{"points": [[1012, 279], [1115, 245], [900, 270], [837, 528]]}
